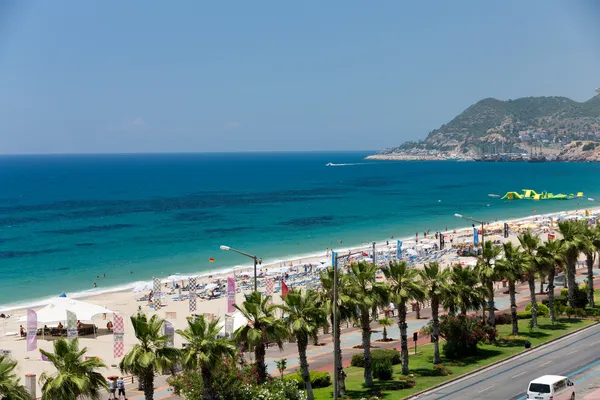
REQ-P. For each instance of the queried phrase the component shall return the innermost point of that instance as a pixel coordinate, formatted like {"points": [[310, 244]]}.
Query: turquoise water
{"points": [[67, 219]]}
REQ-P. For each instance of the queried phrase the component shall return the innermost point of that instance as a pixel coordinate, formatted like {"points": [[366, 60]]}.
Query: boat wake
{"points": [[345, 165]]}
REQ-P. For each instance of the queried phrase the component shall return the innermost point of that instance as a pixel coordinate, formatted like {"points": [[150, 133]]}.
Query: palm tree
{"points": [[305, 318], [486, 271], [263, 326], [205, 351], [572, 244], [590, 244], [151, 354], [435, 280], [549, 255], [405, 285], [344, 312], [530, 244], [74, 376], [511, 268], [465, 292], [385, 322], [10, 385], [366, 294]]}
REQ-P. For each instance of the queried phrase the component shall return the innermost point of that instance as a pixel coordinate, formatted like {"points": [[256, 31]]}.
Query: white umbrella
{"points": [[211, 286], [142, 286], [411, 252]]}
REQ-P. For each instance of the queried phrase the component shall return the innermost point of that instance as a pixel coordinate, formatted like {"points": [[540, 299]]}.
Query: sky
{"points": [[269, 75]]}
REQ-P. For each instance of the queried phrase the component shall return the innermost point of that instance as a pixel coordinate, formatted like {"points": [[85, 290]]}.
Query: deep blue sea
{"points": [[65, 219]]}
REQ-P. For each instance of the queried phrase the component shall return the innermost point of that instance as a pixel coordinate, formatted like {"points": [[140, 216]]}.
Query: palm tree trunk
{"points": [[302, 344], [148, 377], [435, 305], [336, 332], [551, 274], [531, 281], [259, 356], [209, 392], [513, 307], [491, 306], [590, 272], [571, 281], [403, 337], [366, 341], [384, 334]]}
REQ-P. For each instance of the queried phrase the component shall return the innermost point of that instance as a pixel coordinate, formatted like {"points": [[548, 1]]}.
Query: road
{"points": [[576, 356]]}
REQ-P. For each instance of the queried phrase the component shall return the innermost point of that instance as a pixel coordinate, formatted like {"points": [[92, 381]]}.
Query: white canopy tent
{"points": [[238, 321], [56, 311]]}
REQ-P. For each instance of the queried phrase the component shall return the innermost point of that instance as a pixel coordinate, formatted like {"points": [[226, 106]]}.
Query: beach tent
{"points": [[238, 321], [63, 294], [56, 311]]}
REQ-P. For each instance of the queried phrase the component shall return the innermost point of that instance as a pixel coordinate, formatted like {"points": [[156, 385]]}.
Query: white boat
{"points": [[329, 164]]}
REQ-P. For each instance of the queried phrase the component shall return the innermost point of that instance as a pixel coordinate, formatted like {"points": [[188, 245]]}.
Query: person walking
{"points": [[112, 387], [121, 388]]}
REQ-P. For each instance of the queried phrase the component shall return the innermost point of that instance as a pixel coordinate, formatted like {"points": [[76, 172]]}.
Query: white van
{"points": [[551, 387]]}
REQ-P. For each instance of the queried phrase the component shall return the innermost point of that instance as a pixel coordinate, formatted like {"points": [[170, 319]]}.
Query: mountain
{"points": [[492, 126]]}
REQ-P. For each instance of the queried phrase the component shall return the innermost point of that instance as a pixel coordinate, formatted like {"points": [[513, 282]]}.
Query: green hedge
{"points": [[542, 309], [524, 315], [317, 379], [358, 360], [382, 369]]}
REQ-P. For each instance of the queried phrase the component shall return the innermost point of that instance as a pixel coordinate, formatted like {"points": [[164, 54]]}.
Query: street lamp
{"points": [[256, 260], [474, 220]]}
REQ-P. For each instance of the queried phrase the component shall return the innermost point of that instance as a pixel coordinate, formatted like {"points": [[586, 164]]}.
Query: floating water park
{"points": [[529, 194]]}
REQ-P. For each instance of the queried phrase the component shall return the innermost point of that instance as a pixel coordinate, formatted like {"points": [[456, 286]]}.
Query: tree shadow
{"points": [[376, 390]]}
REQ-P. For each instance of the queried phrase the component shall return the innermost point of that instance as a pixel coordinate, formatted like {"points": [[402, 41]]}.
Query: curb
{"points": [[415, 395]]}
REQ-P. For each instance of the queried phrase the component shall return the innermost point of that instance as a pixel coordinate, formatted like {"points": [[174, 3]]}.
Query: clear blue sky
{"points": [[154, 76]]}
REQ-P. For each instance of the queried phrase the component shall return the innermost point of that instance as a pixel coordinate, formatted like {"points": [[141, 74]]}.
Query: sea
{"points": [[69, 221]]}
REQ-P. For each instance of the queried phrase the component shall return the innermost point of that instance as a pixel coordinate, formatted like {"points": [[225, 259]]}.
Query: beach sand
{"points": [[124, 303]]}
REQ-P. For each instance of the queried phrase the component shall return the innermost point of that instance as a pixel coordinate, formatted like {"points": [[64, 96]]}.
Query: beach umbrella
{"points": [[142, 286], [211, 286], [63, 294]]}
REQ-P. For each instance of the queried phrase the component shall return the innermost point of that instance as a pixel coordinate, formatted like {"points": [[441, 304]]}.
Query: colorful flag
{"points": [[118, 332], [211, 259], [475, 236], [192, 296], [156, 293], [71, 325], [270, 287], [230, 295], [399, 250], [284, 289], [31, 329]]}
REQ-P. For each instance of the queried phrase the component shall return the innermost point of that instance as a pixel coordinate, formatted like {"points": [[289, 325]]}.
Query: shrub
{"points": [[542, 309], [523, 314], [437, 370], [317, 379], [503, 319], [358, 360], [382, 369], [581, 299], [404, 383], [462, 334]]}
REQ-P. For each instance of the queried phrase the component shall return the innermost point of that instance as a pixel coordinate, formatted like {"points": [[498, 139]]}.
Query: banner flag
{"points": [[31, 329], [118, 332], [505, 230], [399, 250], [230, 295], [270, 287], [284, 289], [333, 256], [71, 325], [170, 332], [156, 294], [192, 294], [475, 236]]}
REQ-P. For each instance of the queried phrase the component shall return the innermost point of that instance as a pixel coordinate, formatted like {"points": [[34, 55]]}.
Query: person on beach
{"points": [[112, 388], [60, 325], [22, 331]]}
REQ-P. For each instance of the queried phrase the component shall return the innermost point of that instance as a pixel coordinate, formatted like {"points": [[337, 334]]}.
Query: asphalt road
{"points": [[576, 356]]}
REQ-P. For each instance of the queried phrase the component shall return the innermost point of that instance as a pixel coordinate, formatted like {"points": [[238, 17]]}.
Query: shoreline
{"points": [[306, 258]]}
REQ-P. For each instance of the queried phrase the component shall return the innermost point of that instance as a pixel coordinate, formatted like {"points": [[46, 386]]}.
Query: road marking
{"points": [[595, 343], [546, 363], [573, 352], [522, 373], [486, 389]]}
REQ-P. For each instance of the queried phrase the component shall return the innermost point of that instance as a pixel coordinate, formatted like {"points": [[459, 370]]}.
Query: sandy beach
{"points": [[301, 272]]}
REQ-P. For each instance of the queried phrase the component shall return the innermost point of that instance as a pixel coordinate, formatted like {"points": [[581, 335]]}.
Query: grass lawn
{"points": [[506, 346]]}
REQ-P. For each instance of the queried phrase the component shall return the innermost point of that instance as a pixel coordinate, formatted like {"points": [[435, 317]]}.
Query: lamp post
{"points": [[474, 220], [255, 258], [337, 368]]}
